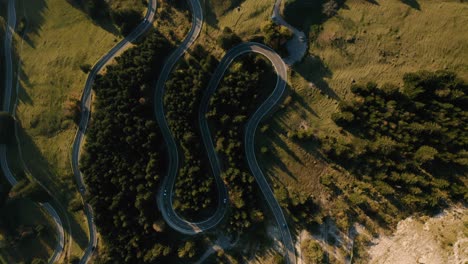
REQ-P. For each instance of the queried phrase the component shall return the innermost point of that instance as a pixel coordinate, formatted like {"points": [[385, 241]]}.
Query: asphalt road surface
{"points": [[85, 114], [249, 140], [11, 23], [165, 195]]}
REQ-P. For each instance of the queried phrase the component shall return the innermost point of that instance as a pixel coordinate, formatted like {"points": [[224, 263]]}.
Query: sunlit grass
{"points": [[59, 39], [364, 42]]}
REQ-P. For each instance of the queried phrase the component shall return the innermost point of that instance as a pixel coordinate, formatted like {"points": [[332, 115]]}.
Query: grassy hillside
{"points": [[219, 8], [245, 21], [29, 228], [59, 38], [365, 42], [377, 41]]}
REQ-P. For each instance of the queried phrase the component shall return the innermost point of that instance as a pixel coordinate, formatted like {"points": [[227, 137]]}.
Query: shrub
{"points": [[228, 39], [126, 20], [86, 68]]}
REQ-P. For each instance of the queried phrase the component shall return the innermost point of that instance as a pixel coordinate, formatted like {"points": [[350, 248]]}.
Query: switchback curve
{"points": [[282, 75], [165, 194]]}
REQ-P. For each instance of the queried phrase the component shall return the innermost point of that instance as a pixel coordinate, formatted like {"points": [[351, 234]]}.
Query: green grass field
{"points": [[27, 214], [364, 42], [50, 57], [59, 39], [245, 21]]}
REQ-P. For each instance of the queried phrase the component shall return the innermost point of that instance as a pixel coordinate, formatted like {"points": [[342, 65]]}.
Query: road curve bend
{"points": [[11, 23], [297, 46], [165, 194], [282, 75], [85, 115]]}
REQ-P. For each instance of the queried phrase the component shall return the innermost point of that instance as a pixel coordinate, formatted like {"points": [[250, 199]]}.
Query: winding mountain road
{"points": [[6, 106], [249, 140], [85, 115], [165, 195], [297, 46], [166, 192]]}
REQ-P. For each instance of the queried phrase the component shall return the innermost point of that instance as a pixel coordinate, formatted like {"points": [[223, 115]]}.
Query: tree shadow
{"points": [[374, 2], [24, 96], [24, 215], [303, 108], [275, 139], [269, 164], [329, 233], [412, 3], [214, 9], [23, 80], [315, 71], [42, 171], [31, 20], [103, 20]]}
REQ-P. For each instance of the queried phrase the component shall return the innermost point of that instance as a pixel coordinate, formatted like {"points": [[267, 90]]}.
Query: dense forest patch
{"points": [[122, 163], [240, 93], [409, 142], [194, 188]]}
